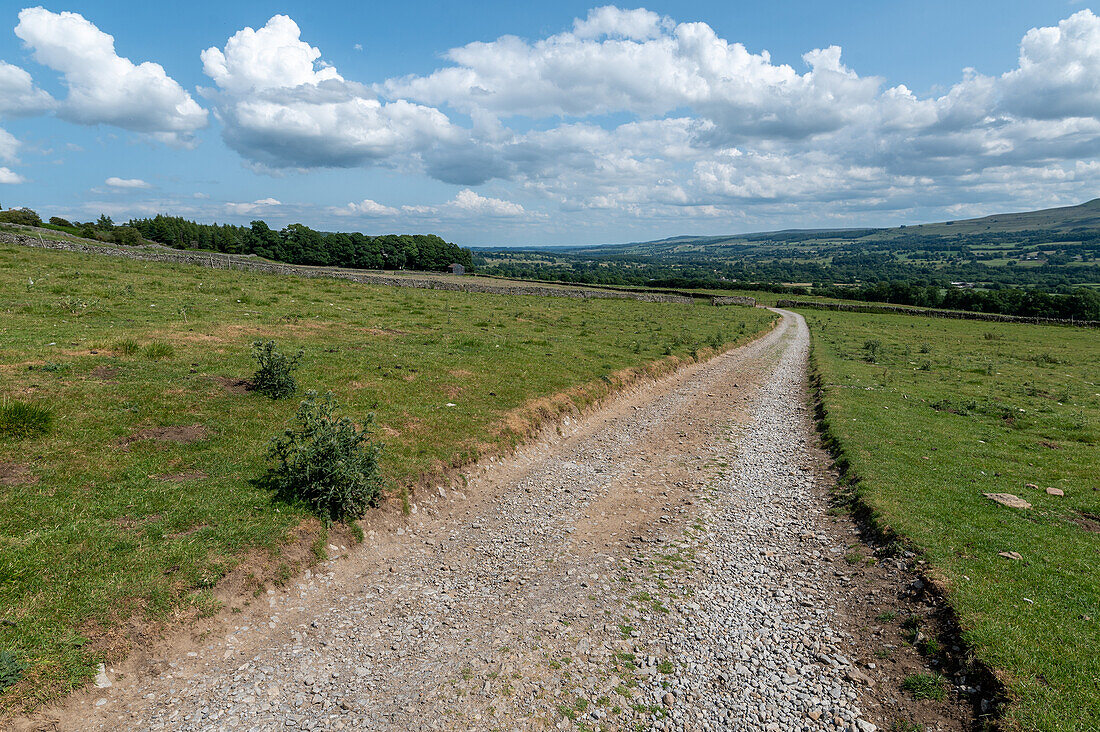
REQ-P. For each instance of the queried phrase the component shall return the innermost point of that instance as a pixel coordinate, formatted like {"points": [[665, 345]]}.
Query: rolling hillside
{"points": [[1083, 218], [1054, 250]]}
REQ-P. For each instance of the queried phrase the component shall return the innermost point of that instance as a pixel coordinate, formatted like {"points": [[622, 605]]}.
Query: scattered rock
{"points": [[1008, 499], [1010, 555], [1055, 492], [101, 680]]}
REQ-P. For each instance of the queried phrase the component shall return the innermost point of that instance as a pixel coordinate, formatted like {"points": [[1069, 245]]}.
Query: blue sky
{"points": [[512, 124]]}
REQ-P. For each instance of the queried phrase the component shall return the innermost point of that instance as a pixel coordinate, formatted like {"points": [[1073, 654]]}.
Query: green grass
{"points": [[926, 686], [92, 536], [19, 419], [999, 406]]}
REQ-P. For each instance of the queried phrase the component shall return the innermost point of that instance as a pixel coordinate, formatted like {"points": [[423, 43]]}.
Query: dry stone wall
{"points": [[733, 300], [156, 253], [930, 313]]}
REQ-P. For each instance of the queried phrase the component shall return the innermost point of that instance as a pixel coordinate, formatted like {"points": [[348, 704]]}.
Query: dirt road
{"points": [[660, 562]]}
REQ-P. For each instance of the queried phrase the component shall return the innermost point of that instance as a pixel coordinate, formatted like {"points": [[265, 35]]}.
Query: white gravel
{"points": [[756, 648]]}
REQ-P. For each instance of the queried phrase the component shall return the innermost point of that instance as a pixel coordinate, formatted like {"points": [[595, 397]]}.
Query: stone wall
{"points": [[733, 300], [931, 313], [156, 253]]}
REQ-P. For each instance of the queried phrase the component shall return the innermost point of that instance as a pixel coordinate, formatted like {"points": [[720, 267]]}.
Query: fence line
{"points": [[933, 313]]}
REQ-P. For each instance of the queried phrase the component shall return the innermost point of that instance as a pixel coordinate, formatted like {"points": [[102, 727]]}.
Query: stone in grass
{"points": [[1007, 499], [101, 680], [1011, 555], [1055, 492]]}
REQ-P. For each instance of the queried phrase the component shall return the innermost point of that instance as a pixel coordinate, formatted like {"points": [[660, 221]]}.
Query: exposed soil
{"points": [[179, 434], [509, 596], [233, 385], [1088, 522], [16, 474], [105, 373]]}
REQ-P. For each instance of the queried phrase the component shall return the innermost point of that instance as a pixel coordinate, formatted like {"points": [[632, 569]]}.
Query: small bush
{"points": [[127, 236], [19, 419], [11, 670], [871, 350], [58, 221], [327, 462], [157, 350], [275, 377]]}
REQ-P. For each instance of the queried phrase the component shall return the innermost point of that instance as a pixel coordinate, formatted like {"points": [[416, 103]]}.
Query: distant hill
{"points": [[1083, 218]]}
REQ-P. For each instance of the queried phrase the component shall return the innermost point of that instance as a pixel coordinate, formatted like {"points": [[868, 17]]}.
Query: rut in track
{"points": [[648, 565]]}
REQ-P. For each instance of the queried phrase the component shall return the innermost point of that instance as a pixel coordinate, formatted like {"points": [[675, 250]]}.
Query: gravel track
{"points": [[653, 564]]}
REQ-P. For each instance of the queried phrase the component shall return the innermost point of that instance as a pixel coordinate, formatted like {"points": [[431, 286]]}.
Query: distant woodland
{"points": [[295, 244]]}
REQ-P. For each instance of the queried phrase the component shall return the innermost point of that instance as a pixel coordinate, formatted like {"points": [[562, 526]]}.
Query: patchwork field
{"points": [[932, 414], [139, 496]]}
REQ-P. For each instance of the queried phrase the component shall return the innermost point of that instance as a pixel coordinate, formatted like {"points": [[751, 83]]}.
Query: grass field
{"points": [[108, 516], [930, 414]]}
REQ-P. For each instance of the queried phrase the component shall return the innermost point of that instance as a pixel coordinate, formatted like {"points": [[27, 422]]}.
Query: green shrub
{"points": [[871, 350], [24, 216], [126, 235], [275, 377], [157, 350], [20, 419], [11, 670], [58, 221], [328, 462]]}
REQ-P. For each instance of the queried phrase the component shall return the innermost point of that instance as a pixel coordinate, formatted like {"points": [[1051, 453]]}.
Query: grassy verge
{"points": [[108, 518], [927, 415]]}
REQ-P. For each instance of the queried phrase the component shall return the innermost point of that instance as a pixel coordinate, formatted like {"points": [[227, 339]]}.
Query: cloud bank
{"points": [[710, 122], [626, 114]]}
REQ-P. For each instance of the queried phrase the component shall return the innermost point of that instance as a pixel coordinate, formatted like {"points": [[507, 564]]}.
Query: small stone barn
{"points": [[457, 268]]}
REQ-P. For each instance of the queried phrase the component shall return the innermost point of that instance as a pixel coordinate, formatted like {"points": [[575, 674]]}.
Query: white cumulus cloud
{"points": [[8, 176], [18, 94], [263, 204], [9, 146], [366, 207], [469, 201], [282, 107], [1059, 71], [126, 183], [105, 88]]}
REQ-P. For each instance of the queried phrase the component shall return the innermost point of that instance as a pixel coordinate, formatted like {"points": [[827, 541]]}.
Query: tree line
{"points": [[294, 244], [299, 244]]}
